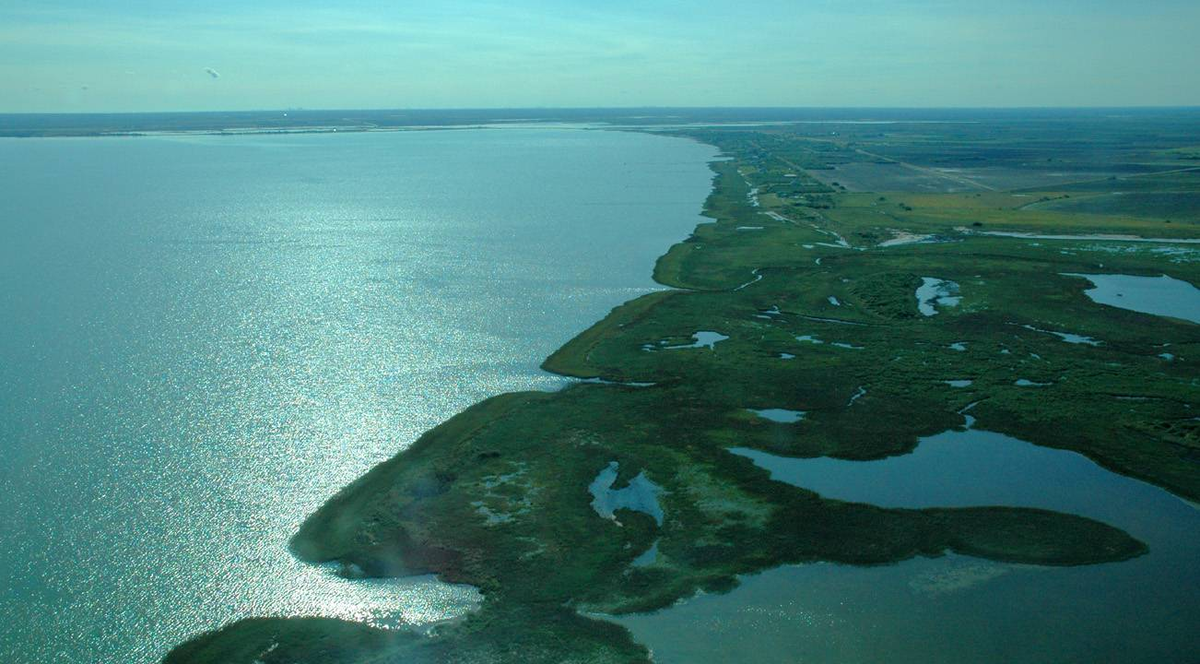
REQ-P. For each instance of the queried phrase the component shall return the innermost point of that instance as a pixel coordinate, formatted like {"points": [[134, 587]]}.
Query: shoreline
{"points": [[409, 360], [419, 511]]}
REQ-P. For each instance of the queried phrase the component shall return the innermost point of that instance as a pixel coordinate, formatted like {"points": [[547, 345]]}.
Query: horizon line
{"points": [[619, 108]]}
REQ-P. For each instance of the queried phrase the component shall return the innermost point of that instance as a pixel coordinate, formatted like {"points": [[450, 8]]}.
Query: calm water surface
{"points": [[1161, 295], [956, 609], [204, 338]]}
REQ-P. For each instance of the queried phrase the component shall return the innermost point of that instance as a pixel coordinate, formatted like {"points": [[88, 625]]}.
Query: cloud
{"points": [[212, 72]]}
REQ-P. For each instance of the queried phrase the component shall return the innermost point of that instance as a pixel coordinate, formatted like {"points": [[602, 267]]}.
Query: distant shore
{"points": [[26, 125]]}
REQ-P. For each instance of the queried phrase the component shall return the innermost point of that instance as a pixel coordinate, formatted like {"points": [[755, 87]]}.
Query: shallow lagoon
{"points": [[954, 608], [1161, 296]]}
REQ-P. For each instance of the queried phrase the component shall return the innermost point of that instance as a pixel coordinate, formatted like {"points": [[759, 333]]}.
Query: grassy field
{"points": [[818, 317], [872, 216], [1173, 206]]}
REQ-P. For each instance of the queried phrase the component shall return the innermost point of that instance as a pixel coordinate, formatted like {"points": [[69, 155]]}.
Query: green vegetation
{"points": [[1167, 205], [819, 318], [1041, 212]]}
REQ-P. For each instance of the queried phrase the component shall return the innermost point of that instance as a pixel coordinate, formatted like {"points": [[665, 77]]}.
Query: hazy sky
{"points": [[131, 55]]}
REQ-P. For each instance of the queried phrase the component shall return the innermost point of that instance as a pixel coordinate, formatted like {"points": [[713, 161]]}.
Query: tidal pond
{"points": [[703, 339], [781, 415], [1067, 336], [1161, 295], [953, 608], [640, 495], [934, 293]]}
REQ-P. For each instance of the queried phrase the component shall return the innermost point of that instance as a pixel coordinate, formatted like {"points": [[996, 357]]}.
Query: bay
{"points": [[206, 337]]}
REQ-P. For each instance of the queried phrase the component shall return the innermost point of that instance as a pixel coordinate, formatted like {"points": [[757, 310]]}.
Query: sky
{"points": [[166, 55]]}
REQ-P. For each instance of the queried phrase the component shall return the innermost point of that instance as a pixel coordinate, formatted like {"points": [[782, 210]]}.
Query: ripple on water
{"points": [[251, 323]]}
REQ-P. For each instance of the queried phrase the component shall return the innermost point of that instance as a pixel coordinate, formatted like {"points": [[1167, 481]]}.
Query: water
{"points": [[206, 337], [701, 339], [813, 339], [933, 293], [1025, 382], [647, 558], [704, 339], [781, 415], [1161, 296], [955, 608], [640, 495], [1067, 336]]}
